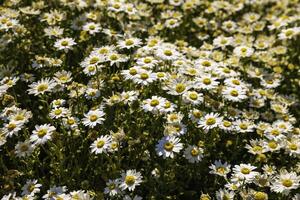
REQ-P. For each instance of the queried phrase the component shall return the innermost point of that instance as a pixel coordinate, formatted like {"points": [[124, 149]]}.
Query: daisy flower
{"points": [[224, 194], [91, 28], [64, 44], [285, 182], [31, 187], [129, 43], [167, 146], [167, 53], [243, 51], [101, 145], [41, 87], [42, 134], [24, 149], [144, 77], [244, 126], [112, 187], [289, 33], [193, 154], [130, 179], [219, 168], [210, 121], [93, 118], [192, 97], [235, 94], [245, 172], [154, 104], [206, 82]]}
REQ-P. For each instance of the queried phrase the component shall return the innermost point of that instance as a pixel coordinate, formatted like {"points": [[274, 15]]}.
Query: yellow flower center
{"points": [[41, 133], [193, 96], [206, 81], [58, 112], [93, 118], [260, 196], [64, 43], [94, 60], [168, 53], [180, 87], [42, 87], [11, 126], [234, 93], [154, 102], [293, 147], [129, 180], [113, 57], [289, 33], [194, 152], [132, 72], [70, 121], [129, 42], [221, 170], [100, 144], [206, 63], [287, 182], [245, 170], [144, 76], [227, 123], [210, 121], [168, 146], [160, 74], [243, 126], [272, 145], [147, 60], [91, 68]]}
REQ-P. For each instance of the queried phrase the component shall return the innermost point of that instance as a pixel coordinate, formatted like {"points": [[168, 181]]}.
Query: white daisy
{"points": [[42, 86], [24, 149], [64, 44], [31, 187], [42, 134], [130, 179], [193, 153], [101, 145], [210, 121], [285, 182], [93, 118], [245, 172], [168, 146]]}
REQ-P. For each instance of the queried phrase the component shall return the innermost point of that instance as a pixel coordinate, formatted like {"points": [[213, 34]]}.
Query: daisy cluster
{"points": [[149, 99]]}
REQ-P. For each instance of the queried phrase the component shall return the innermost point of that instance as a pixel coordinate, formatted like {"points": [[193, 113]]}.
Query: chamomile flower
{"points": [[289, 33], [31, 187], [112, 187], [93, 118], [92, 28], [206, 82], [101, 145], [168, 146], [193, 154], [245, 172], [167, 53], [219, 168], [65, 44], [235, 94], [192, 97], [243, 51], [41, 87], [24, 149], [210, 121], [154, 105], [285, 182], [130, 180], [42, 134], [129, 43]]}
